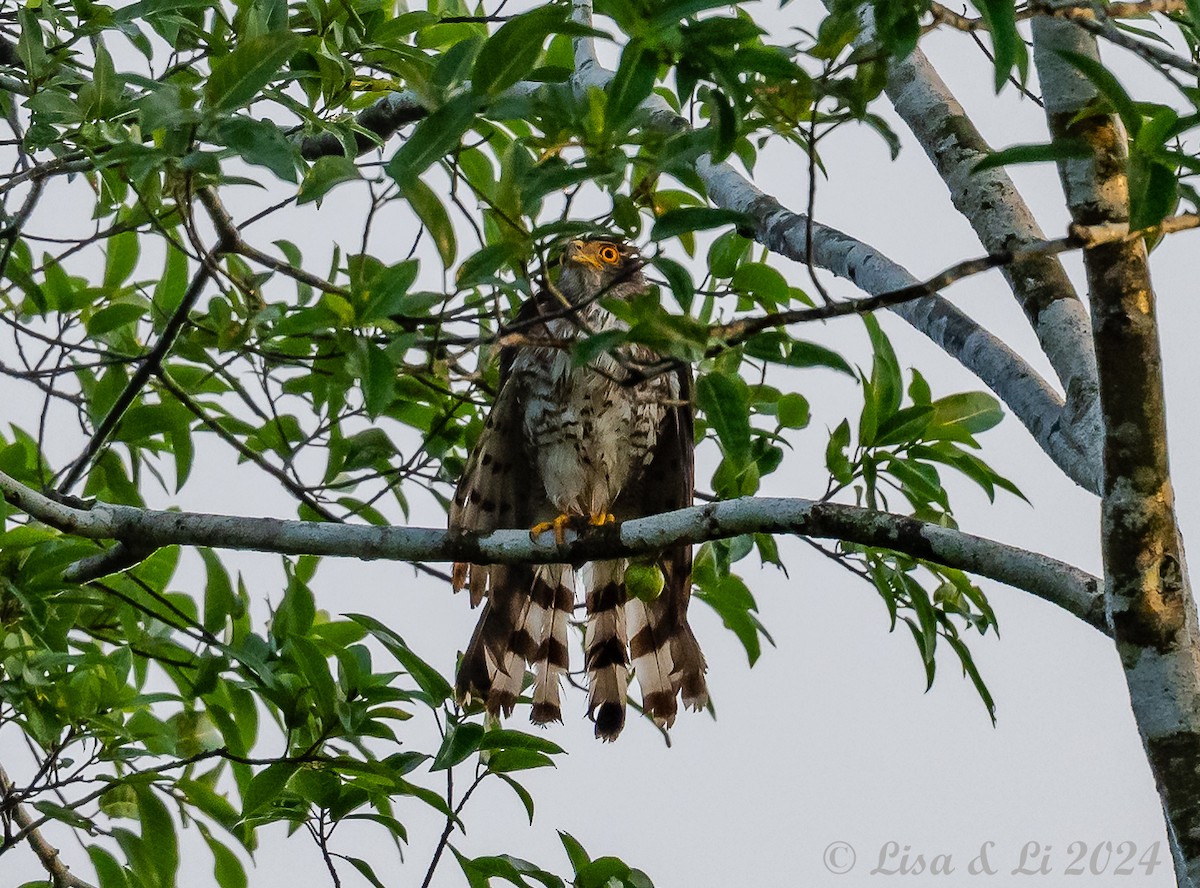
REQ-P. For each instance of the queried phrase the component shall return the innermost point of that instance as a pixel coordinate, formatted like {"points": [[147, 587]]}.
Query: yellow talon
{"points": [[559, 525], [563, 523]]}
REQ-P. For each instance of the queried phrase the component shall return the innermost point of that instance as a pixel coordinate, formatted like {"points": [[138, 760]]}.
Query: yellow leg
{"points": [[563, 523], [559, 525]]}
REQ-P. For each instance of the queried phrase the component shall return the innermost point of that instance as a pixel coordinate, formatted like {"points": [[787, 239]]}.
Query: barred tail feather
{"points": [[493, 666], [605, 643], [687, 676], [554, 593], [650, 649]]}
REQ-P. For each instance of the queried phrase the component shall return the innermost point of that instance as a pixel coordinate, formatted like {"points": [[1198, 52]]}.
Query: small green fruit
{"points": [[644, 581]]}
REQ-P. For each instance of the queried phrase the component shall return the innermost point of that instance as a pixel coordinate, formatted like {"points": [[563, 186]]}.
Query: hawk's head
{"points": [[600, 266]]}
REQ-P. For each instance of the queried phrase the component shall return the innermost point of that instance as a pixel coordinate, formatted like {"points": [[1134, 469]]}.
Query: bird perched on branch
{"points": [[569, 446]]}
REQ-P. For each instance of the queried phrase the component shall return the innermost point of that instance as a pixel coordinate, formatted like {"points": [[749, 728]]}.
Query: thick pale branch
{"points": [[1068, 587], [1003, 222], [1148, 595], [1031, 398]]}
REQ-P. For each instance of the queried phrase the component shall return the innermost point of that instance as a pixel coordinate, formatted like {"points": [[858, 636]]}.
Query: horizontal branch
{"points": [[1080, 237], [1062, 584]]}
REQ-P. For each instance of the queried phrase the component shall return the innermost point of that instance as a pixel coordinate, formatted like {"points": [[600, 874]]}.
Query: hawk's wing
{"points": [[666, 655], [500, 489]]}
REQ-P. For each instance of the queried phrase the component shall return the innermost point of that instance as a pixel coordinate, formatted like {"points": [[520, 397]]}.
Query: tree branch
{"points": [[1068, 587], [59, 872], [1147, 589], [148, 366], [1000, 217], [1031, 398]]}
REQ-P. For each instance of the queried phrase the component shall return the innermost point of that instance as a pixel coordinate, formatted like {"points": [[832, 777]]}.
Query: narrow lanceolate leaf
{"points": [[687, 219], [433, 138], [1007, 44], [432, 213], [1063, 149], [511, 53], [631, 84], [237, 78], [1109, 87]]}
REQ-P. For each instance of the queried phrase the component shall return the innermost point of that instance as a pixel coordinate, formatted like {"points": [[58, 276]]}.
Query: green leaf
{"points": [[237, 78], [262, 143], [679, 279], [1008, 47], [1108, 86], [973, 411], [219, 601], [971, 670], [904, 426], [387, 293], [158, 834], [1060, 149], [460, 742], [433, 138], [835, 453], [364, 870], [122, 255], [674, 223], [724, 125], [726, 407], [792, 411], [109, 872], [513, 50], [730, 597], [1153, 191], [227, 869], [266, 786], [588, 349], [432, 213], [575, 853], [378, 381], [631, 84], [426, 677], [326, 172], [522, 794], [886, 380], [507, 760], [113, 317], [762, 283], [31, 46]]}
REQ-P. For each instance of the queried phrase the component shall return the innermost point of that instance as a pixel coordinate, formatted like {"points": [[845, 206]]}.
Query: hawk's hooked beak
{"points": [[578, 254]]}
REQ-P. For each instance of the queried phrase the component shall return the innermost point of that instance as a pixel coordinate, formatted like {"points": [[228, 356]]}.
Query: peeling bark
{"points": [[1147, 592]]}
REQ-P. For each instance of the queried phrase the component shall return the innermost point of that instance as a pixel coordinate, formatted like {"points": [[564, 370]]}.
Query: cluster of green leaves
{"points": [[181, 712], [898, 450], [1162, 158], [380, 378]]}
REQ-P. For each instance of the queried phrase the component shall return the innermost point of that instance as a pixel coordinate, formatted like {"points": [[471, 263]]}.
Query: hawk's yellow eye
{"points": [[609, 254]]}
